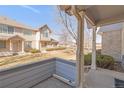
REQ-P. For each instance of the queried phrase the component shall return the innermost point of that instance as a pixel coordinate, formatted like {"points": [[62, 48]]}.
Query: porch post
{"points": [[10, 46], [80, 48], [22, 46], [122, 45], [93, 64]]}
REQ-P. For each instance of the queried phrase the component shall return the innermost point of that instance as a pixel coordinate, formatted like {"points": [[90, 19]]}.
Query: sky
{"points": [[34, 16]]}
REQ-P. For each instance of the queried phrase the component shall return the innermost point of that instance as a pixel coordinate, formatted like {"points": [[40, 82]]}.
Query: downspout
{"points": [[80, 47]]}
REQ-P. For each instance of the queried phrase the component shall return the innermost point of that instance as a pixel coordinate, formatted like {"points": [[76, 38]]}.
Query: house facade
{"points": [[16, 37], [113, 41]]}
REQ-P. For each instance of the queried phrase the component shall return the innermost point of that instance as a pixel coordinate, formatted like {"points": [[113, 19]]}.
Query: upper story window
{"points": [[27, 32], [6, 29], [46, 34], [10, 30]]}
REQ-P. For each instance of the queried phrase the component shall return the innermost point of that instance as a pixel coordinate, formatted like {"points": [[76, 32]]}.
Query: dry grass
{"points": [[23, 59]]}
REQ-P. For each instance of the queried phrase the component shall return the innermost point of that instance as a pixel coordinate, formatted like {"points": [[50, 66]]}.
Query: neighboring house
{"points": [[16, 37], [113, 41]]}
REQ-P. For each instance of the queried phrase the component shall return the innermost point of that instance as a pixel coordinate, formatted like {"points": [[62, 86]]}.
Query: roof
{"points": [[10, 37], [8, 21], [45, 27], [99, 15], [112, 27]]}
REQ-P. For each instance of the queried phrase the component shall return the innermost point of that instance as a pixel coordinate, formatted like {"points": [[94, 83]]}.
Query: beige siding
{"points": [[34, 44], [5, 49], [19, 31], [45, 38], [111, 44]]}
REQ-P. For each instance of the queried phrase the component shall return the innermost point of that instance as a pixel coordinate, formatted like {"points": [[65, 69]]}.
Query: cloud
{"points": [[31, 8]]}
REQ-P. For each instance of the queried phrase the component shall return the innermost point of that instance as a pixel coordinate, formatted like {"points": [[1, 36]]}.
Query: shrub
{"points": [[103, 61], [87, 59], [55, 48], [34, 51]]}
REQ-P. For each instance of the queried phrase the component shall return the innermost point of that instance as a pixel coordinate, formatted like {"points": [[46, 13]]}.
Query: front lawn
{"points": [[6, 62]]}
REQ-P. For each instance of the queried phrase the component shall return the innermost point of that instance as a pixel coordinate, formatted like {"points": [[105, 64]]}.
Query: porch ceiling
{"points": [[100, 15]]}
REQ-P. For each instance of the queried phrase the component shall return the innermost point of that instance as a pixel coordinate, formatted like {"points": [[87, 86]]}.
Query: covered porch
{"points": [[13, 44], [96, 16]]}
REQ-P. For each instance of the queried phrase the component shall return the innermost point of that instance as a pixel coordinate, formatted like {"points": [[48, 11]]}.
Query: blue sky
{"points": [[34, 16]]}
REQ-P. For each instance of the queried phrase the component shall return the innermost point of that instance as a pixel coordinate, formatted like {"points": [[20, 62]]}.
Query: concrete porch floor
{"points": [[52, 83]]}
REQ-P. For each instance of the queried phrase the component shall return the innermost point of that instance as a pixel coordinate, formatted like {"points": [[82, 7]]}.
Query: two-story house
{"points": [[16, 37]]}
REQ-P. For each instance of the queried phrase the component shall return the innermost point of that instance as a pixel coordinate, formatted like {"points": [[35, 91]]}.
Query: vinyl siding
{"points": [[111, 44], [30, 74]]}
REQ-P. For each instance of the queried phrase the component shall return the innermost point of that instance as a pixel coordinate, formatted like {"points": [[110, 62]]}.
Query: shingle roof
{"points": [[10, 37], [8, 21]]}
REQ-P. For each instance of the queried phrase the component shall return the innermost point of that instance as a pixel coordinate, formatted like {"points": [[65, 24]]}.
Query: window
{"points": [[27, 32], [28, 44], [1, 28], [45, 34], [10, 30], [6, 29], [2, 44]]}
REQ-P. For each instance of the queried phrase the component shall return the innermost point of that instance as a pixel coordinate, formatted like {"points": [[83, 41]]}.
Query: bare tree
{"points": [[66, 21], [65, 37], [69, 24]]}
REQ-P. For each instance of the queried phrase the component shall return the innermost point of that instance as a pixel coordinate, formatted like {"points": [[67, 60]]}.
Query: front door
{"points": [[15, 46]]}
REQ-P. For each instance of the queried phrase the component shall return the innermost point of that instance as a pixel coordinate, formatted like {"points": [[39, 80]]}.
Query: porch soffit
{"points": [[100, 15]]}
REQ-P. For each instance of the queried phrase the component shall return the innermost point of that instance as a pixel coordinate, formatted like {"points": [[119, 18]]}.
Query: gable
{"points": [[44, 28]]}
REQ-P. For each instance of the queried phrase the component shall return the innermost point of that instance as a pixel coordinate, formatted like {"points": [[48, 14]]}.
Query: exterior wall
{"points": [[37, 42], [5, 49], [19, 31], [14, 49], [111, 44], [45, 38], [35, 38]]}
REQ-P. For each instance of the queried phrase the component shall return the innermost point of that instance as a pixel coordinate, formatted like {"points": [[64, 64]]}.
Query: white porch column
{"points": [[10, 46], [80, 48], [22, 46], [122, 44], [93, 64]]}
